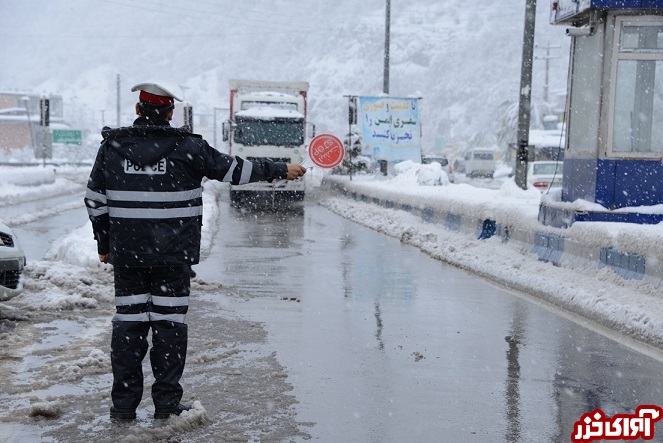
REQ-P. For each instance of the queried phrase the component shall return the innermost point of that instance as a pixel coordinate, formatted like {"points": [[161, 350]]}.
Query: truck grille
{"points": [[274, 159], [6, 240], [9, 279]]}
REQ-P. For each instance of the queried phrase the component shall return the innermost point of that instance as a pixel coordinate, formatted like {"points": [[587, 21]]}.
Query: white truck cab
{"points": [[267, 120]]}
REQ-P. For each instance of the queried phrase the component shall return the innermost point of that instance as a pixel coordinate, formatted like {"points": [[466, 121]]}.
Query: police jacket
{"points": [[144, 195]]}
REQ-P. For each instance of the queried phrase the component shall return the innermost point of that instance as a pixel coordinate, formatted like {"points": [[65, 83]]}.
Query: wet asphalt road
{"points": [[381, 343], [384, 344]]}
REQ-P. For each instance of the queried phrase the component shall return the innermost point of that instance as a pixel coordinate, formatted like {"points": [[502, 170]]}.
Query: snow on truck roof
{"points": [[270, 97], [248, 86], [273, 94], [265, 112]]}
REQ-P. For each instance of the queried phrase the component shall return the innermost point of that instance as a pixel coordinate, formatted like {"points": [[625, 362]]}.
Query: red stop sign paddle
{"points": [[326, 151]]}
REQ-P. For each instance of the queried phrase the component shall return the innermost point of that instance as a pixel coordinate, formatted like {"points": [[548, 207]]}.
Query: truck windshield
{"points": [[276, 132]]}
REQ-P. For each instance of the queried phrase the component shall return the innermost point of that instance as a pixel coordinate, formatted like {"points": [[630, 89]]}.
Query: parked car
{"points": [[444, 162], [459, 165], [480, 162], [544, 174], [12, 263]]}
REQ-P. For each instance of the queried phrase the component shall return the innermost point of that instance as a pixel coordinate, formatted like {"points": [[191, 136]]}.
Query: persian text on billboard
{"points": [[390, 127]]}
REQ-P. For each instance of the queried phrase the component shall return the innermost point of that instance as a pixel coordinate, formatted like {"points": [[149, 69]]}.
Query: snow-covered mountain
{"points": [[463, 58]]}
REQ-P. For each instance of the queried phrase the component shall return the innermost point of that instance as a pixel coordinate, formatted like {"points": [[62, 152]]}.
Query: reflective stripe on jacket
{"points": [[144, 195]]}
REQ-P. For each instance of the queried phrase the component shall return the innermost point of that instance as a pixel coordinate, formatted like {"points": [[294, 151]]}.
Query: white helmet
{"points": [[161, 88]]}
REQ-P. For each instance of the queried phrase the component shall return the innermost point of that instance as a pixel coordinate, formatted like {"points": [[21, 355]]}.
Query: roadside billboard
{"points": [[391, 128]]}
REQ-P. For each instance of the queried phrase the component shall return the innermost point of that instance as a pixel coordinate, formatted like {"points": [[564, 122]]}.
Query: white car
{"points": [[446, 166], [544, 174], [12, 263]]}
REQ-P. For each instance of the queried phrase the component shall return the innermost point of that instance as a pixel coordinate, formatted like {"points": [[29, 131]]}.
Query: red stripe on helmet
{"points": [[155, 99]]}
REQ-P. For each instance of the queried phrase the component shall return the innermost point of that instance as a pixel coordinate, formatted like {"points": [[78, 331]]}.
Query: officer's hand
{"points": [[295, 171], [103, 258]]}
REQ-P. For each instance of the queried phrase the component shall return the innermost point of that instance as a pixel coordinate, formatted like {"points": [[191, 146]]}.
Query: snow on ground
{"points": [[57, 361], [75, 253], [628, 306]]}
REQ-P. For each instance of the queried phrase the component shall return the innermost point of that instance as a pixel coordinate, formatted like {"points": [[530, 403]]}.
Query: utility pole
{"points": [[188, 116], [547, 58], [352, 120], [118, 101], [44, 122], [524, 106], [387, 23]]}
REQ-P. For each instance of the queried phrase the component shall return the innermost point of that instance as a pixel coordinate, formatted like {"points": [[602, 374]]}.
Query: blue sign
{"points": [[391, 128]]}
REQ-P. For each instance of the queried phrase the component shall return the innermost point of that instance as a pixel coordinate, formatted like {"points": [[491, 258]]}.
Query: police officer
{"points": [[144, 199]]}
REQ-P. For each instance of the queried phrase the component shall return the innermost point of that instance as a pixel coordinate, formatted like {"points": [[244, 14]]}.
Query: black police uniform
{"points": [[144, 199]]}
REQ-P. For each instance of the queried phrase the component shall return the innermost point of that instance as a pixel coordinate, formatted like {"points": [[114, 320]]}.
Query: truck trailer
{"points": [[267, 120]]}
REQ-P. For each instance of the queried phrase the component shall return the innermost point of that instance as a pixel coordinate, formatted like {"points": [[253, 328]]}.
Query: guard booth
{"points": [[614, 137]]}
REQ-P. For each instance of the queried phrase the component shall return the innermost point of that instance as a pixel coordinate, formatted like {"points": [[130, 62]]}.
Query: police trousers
{"points": [[148, 299]]}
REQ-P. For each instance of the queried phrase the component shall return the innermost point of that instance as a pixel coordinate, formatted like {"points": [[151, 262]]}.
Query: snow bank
{"points": [[28, 176], [410, 173]]}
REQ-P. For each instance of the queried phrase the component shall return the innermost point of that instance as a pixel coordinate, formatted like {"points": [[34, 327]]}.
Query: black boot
{"points": [[164, 413], [122, 414]]}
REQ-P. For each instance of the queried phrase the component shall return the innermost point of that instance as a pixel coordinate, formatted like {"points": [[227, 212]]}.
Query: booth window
{"points": [[637, 88]]}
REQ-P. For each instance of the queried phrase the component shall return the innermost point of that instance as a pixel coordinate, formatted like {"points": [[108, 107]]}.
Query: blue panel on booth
{"points": [[605, 183], [638, 183], [566, 11], [613, 183], [625, 4], [579, 181]]}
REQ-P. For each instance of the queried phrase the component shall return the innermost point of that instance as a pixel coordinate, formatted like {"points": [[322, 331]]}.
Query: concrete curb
{"points": [[559, 247]]}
